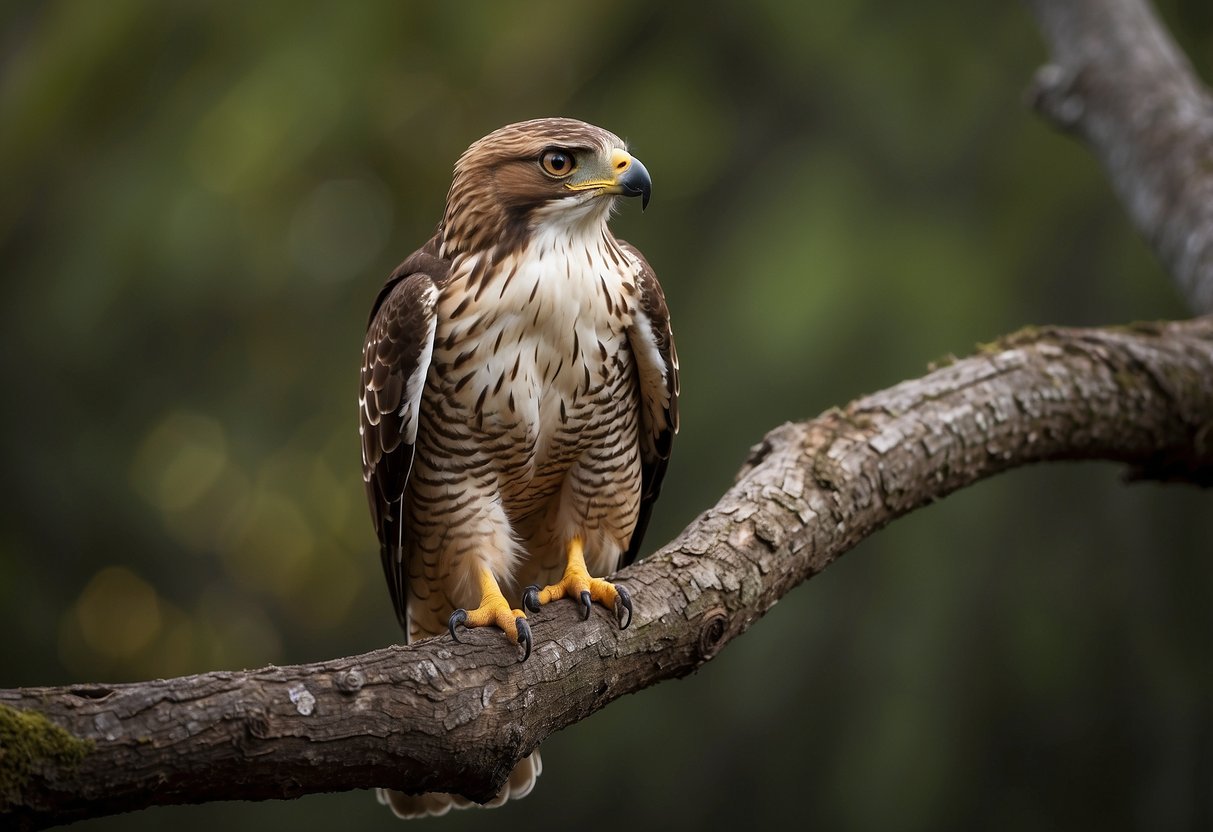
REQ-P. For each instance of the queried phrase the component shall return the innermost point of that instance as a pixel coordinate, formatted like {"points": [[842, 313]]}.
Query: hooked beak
{"points": [[635, 181], [626, 176]]}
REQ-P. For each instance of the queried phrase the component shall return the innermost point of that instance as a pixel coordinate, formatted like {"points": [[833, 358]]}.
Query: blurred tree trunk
{"points": [[1118, 81], [441, 716]]}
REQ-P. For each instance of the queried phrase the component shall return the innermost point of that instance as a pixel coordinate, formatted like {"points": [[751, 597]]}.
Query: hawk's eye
{"points": [[557, 162]]}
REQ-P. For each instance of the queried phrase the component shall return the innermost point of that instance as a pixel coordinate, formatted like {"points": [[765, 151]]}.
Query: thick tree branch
{"points": [[1118, 80], [456, 717]]}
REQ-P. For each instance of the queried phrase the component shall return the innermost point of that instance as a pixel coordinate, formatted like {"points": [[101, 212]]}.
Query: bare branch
{"points": [[456, 717], [1118, 80]]}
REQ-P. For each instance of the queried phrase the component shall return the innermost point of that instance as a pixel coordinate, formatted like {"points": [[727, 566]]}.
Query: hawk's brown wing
{"points": [[395, 361], [652, 345]]}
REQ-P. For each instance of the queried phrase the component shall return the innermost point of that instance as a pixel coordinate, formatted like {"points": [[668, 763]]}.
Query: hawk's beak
{"points": [[625, 176], [631, 177]]}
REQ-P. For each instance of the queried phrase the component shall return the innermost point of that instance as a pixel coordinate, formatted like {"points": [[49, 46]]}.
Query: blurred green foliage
{"points": [[198, 202]]}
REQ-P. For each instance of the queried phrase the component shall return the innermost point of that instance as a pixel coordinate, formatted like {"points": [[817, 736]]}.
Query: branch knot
{"points": [[350, 681], [712, 632], [1053, 93]]}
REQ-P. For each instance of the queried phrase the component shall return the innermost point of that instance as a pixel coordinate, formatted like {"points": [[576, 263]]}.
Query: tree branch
{"points": [[1118, 80], [442, 716]]}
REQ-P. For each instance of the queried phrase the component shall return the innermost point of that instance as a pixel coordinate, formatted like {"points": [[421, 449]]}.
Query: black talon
{"points": [[524, 636], [530, 598], [458, 617], [625, 601], [586, 604]]}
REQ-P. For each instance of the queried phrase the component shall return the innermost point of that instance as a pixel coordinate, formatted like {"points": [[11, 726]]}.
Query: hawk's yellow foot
{"points": [[578, 583], [494, 611]]}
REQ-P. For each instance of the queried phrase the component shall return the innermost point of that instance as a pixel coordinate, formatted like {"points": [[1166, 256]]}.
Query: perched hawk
{"points": [[519, 397]]}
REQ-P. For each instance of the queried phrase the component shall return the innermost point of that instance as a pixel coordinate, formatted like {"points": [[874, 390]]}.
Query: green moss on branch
{"points": [[30, 744]]}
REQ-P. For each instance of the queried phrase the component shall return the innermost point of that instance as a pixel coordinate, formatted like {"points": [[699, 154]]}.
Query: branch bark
{"points": [[1119, 82], [442, 716]]}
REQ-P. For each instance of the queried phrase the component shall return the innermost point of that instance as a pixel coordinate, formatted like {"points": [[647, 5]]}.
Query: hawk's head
{"points": [[556, 171]]}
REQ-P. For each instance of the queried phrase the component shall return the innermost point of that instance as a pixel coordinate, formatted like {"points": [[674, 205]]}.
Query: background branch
{"points": [[1118, 81], [456, 717]]}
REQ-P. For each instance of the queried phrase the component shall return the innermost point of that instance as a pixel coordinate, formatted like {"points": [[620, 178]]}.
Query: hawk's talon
{"points": [[524, 636], [580, 586], [623, 602], [493, 611], [458, 617], [530, 598]]}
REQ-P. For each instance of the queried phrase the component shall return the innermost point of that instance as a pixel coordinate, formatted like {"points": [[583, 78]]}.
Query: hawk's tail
{"points": [[522, 780]]}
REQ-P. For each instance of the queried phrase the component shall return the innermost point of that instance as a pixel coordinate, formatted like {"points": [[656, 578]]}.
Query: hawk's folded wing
{"points": [[652, 345], [395, 361]]}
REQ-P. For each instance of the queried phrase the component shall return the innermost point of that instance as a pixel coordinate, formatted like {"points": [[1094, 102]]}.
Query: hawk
{"points": [[519, 397]]}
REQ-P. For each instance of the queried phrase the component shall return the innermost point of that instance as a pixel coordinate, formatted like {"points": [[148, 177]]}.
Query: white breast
{"points": [[526, 340]]}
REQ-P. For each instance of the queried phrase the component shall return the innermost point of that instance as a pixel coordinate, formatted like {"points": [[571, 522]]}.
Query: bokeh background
{"points": [[199, 201]]}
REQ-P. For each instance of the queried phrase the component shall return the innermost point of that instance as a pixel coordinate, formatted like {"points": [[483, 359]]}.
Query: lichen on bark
{"points": [[29, 744]]}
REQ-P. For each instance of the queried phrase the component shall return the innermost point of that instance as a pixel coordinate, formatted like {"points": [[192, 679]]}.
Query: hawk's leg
{"points": [[494, 611], [577, 583]]}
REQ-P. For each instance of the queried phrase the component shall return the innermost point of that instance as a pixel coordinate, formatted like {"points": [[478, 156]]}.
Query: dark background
{"points": [[198, 202]]}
